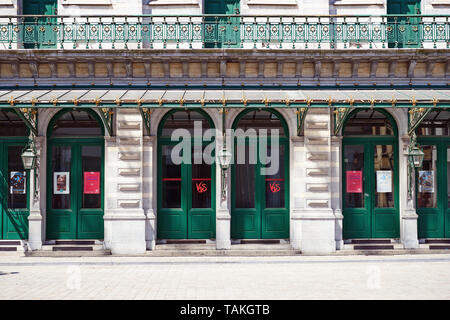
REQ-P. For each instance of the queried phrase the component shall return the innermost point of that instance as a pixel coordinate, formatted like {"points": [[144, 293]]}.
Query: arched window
{"points": [[11, 125], [436, 123], [369, 122], [183, 119], [261, 119], [76, 123]]}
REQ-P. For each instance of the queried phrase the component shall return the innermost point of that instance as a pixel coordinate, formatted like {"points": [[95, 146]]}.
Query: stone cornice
{"points": [[230, 67]]}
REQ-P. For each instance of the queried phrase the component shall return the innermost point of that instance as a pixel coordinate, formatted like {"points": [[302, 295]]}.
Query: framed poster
{"points": [[91, 183], [17, 182], [384, 181], [61, 182], [426, 181], [354, 182]]}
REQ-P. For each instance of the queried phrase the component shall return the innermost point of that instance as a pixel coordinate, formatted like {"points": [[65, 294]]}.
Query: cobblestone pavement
{"points": [[346, 277]]}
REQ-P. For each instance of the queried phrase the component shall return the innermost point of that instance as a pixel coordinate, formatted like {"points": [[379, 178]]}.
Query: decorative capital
{"points": [[139, 102], [330, 101], [435, 102], [413, 101], [160, 101], [202, 101], [308, 101], [54, 101], [393, 101], [11, 101], [182, 101], [224, 101], [33, 101], [76, 102], [97, 102], [244, 101], [266, 102], [288, 102], [118, 102]]}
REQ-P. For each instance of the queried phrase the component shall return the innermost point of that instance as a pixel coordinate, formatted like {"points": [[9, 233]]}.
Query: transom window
{"points": [[436, 123], [368, 123], [76, 123], [11, 125], [185, 119], [260, 119]]}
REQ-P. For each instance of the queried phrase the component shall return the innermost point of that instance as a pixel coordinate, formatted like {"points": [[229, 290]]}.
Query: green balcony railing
{"points": [[224, 31]]}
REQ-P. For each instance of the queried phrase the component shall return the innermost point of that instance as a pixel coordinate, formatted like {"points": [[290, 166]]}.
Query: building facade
{"points": [[97, 89]]}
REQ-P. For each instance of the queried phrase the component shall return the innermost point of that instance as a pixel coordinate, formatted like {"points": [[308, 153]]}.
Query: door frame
{"points": [[48, 23], [442, 208], [368, 142], [186, 191], [260, 209], [76, 143]]}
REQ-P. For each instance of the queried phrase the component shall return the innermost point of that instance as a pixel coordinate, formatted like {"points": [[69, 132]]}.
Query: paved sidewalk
{"points": [[298, 277]]}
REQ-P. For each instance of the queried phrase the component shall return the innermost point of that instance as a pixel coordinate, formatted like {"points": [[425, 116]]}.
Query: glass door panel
{"points": [[427, 191], [17, 195], [245, 178], [92, 169], [171, 180], [384, 176], [354, 173], [61, 168], [275, 183]]}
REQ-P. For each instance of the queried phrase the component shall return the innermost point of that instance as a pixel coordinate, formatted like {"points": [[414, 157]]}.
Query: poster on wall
{"points": [[384, 181], [91, 183], [17, 182], [426, 181], [61, 182], [354, 182]]}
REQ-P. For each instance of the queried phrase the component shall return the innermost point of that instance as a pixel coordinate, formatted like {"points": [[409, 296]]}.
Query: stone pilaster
{"points": [[313, 227], [124, 217]]}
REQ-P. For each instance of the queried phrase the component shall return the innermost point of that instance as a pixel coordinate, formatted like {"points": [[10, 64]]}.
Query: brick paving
{"points": [[300, 277]]}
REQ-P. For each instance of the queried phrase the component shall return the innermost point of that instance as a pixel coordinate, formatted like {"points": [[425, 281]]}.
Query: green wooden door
{"points": [[222, 32], [403, 32], [433, 188], [260, 199], [75, 189], [370, 188], [14, 187], [39, 32], [186, 196]]}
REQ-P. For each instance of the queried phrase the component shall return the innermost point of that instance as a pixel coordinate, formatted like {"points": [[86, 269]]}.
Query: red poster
{"points": [[354, 182], [91, 182]]}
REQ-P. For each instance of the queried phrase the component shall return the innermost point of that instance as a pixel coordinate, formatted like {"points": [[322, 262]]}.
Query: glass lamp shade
{"points": [[28, 158], [416, 157], [224, 158]]}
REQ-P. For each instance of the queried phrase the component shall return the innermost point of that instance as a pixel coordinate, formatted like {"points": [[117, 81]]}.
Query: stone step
{"points": [[75, 242], [260, 241], [10, 243], [95, 253], [347, 252], [185, 246], [439, 247], [96, 247], [373, 247], [232, 252], [437, 241], [370, 241], [265, 247], [186, 241], [3, 248]]}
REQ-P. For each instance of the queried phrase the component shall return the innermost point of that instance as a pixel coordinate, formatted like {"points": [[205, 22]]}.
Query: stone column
{"points": [[313, 227], [124, 216], [223, 216], [150, 170], [336, 188], [36, 230], [408, 220]]}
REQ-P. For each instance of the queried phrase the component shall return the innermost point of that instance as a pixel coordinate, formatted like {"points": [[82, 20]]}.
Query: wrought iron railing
{"points": [[225, 31]]}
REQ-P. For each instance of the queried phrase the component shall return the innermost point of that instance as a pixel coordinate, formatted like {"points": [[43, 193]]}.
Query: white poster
{"points": [[426, 181], [61, 183], [384, 181]]}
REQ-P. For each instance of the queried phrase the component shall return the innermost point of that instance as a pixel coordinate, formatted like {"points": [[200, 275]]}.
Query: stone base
{"points": [[409, 229], [313, 231], [223, 229], [35, 230], [125, 234]]}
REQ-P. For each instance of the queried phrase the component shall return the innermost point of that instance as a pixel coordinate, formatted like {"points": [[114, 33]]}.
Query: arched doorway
{"points": [[433, 178], [14, 182], [260, 189], [75, 174], [186, 188], [370, 175]]}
